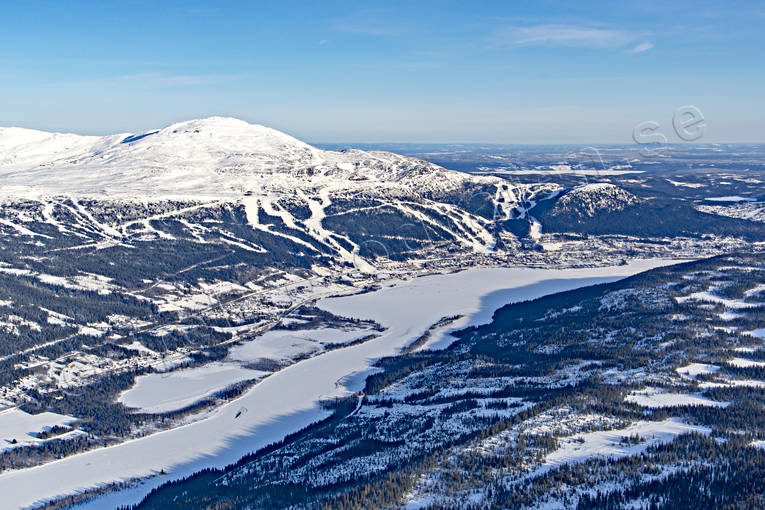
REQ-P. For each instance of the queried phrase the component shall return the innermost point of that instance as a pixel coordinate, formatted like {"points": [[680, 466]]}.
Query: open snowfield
{"points": [[287, 400], [732, 198], [164, 392]]}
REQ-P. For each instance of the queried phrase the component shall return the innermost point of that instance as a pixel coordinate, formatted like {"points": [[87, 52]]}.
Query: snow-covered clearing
{"points": [[694, 369], [192, 302], [138, 346], [652, 397], [686, 184], [731, 198], [747, 383], [744, 363], [610, 443], [287, 400], [733, 304]]}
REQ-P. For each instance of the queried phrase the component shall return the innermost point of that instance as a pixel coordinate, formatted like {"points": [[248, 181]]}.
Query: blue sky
{"points": [[441, 71]]}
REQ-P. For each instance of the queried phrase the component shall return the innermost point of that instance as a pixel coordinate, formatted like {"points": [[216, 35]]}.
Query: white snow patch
{"points": [[694, 369], [731, 198], [654, 398], [744, 363], [138, 346]]}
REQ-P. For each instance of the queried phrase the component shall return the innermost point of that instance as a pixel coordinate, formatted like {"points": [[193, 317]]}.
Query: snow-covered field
{"points": [[287, 400]]}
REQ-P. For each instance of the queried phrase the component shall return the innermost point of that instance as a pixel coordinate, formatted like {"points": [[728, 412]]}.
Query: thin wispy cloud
{"points": [[561, 35], [640, 48]]}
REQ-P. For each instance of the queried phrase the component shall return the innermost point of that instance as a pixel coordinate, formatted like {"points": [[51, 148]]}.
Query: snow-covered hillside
{"points": [[593, 199], [286, 187], [220, 157]]}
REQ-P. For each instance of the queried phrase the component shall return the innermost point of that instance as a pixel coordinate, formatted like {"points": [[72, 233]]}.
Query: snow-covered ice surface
{"points": [[161, 392], [287, 400], [23, 427], [285, 344], [422, 302], [562, 170]]}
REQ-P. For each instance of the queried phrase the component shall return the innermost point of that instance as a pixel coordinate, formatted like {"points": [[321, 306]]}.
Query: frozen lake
{"points": [[287, 400], [164, 392]]}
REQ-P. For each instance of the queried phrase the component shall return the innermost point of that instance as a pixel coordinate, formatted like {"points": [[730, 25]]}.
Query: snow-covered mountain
{"points": [[330, 200], [346, 203], [216, 157]]}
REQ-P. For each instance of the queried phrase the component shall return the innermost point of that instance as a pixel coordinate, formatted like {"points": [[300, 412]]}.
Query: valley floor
{"points": [[289, 399]]}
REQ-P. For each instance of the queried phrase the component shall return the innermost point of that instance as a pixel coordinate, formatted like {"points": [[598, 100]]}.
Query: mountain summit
{"points": [[214, 157]]}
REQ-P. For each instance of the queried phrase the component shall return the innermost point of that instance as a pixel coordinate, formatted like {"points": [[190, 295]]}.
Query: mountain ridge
{"points": [[216, 156]]}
